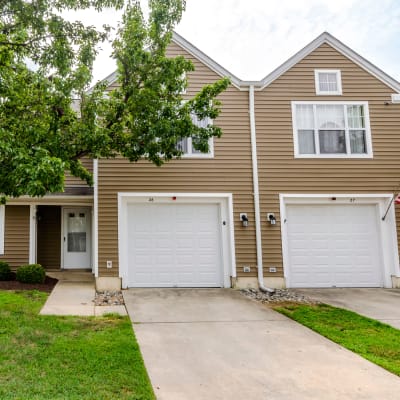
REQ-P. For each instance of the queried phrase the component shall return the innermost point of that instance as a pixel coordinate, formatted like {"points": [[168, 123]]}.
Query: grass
{"points": [[47, 357], [371, 339]]}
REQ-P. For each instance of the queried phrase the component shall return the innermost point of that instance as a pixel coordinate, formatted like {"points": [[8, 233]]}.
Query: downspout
{"points": [[256, 193], [95, 217]]}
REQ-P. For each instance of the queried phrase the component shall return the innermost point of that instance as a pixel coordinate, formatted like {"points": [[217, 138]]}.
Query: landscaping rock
{"points": [[109, 298], [279, 296]]}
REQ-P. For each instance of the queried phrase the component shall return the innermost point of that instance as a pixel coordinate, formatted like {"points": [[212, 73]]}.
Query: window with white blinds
{"points": [[334, 129]]}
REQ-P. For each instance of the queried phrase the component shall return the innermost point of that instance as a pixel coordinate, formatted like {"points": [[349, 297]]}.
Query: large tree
{"points": [[49, 119]]}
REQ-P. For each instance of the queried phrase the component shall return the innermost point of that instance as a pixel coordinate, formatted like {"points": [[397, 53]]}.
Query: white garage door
{"points": [[174, 245], [333, 245]]}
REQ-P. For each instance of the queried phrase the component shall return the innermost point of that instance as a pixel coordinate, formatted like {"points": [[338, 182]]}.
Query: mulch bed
{"points": [[12, 284]]}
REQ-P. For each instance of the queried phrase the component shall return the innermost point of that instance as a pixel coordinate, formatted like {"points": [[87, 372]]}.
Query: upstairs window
{"points": [[186, 144], [328, 82], [335, 129]]}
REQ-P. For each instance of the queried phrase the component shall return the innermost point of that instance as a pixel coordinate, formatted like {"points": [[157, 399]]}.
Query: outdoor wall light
{"points": [[271, 218], [244, 219]]}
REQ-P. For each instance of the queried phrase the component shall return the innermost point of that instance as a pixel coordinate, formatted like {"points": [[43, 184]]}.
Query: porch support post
{"points": [[32, 234]]}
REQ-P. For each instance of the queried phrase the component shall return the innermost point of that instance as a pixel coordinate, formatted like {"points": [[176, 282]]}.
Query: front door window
{"points": [[77, 232]]}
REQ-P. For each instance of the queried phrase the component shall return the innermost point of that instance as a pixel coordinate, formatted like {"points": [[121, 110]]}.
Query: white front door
{"points": [[76, 238]]}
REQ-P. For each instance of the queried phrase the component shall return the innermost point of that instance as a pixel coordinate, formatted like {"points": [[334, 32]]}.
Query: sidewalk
{"points": [[74, 295]]}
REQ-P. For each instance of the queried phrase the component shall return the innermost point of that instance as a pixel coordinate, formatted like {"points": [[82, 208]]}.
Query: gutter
{"points": [[260, 272]]}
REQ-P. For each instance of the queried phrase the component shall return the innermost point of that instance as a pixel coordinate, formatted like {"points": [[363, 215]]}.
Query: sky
{"points": [[250, 38]]}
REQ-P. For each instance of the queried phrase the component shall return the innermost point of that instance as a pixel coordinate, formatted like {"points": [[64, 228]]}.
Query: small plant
{"points": [[31, 273], [5, 271]]}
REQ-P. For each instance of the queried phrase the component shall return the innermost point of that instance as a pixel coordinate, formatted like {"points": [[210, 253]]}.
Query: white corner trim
{"points": [[338, 75], [32, 233], [96, 217], [2, 228], [224, 200]]}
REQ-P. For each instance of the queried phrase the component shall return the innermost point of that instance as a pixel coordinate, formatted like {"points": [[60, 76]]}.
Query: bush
{"points": [[5, 271], [32, 273]]}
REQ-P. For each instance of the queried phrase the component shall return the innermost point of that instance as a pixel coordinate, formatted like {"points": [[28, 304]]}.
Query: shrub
{"points": [[5, 271], [31, 273]]}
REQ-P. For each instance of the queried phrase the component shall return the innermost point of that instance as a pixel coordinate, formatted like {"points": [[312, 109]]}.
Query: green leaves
{"points": [[147, 113], [48, 118]]}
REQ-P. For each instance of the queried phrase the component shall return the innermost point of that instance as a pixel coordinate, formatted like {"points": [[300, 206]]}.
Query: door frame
{"points": [[225, 203], [89, 231], [387, 228]]}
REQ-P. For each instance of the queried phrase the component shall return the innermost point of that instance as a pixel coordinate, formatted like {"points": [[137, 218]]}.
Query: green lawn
{"points": [[46, 357], [369, 338]]}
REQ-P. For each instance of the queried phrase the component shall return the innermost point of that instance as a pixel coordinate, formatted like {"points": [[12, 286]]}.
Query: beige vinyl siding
{"points": [[49, 236], [16, 235], [229, 171], [280, 172], [72, 180]]}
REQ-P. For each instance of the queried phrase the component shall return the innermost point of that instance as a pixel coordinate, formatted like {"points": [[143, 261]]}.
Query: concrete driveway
{"points": [[217, 344], [380, 304]]}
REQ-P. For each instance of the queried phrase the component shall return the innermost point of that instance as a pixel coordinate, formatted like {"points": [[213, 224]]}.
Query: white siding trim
{"points": [[224, 200], [95, 220], [387, 232], [32, 234], [2, 228]]}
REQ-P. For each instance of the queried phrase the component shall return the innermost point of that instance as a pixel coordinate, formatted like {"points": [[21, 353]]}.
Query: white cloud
{"points": [[250, 38]]}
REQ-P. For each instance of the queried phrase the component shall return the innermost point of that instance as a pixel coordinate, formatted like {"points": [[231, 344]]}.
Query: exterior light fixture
{"points": [[244, 219], [271, 218]]}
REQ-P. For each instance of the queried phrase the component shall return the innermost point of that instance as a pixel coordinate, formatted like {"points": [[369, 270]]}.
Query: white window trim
{"points": [[368, 139], [210, 153], [2, 228], [189, 154], [327, 92]]}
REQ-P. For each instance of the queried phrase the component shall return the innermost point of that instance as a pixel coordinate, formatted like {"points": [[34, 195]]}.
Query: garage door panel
{"points": [[335, 245], [177, 246]]}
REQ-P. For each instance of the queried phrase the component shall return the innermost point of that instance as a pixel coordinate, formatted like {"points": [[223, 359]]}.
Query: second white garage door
{"points": [[333, 245], [174, 245]]}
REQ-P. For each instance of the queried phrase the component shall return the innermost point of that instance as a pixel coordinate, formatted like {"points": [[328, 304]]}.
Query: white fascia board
{"points": [[341, 48], [110, 79], [209, 62], [195, 52]]}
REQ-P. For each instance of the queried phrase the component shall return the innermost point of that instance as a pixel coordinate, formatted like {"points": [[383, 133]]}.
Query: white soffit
{"points": [[340, 47], [259, 85], [209, 62], [195, 52]]}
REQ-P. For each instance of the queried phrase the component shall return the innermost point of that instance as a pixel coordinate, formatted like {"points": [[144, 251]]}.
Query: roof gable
{"points": [[341, 48], [259, 85]]}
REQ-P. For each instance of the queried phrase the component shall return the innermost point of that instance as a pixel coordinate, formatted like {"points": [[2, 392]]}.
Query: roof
{"points": [[341, 48], [259, 85]]}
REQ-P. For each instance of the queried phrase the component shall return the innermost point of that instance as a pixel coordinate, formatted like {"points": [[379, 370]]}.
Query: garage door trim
{"points": [[223, 200], [387, 233]]}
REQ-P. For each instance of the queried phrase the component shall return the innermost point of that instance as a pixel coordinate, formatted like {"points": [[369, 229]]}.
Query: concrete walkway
{"points": [[217, 344], [74, 295], [380, 304]]}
